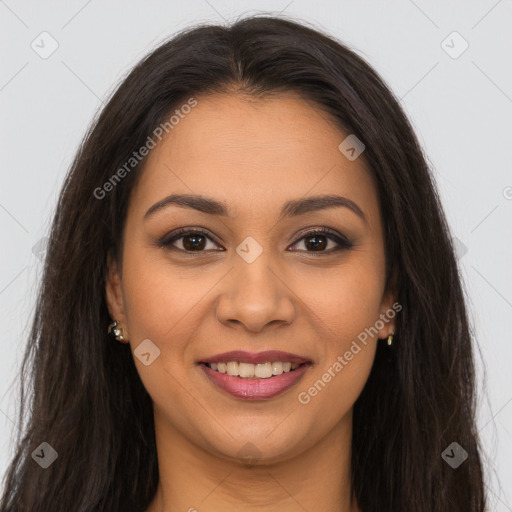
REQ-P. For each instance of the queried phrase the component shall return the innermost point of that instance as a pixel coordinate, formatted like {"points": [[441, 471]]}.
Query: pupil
{"points": [[320, 242], [195, 244]]}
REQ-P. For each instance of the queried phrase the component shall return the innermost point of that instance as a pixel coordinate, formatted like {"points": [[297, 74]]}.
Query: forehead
{"points": [[254, 154]]}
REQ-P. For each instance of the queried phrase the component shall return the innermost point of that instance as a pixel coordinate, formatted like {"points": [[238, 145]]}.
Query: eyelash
{"points": [[343, 243]]}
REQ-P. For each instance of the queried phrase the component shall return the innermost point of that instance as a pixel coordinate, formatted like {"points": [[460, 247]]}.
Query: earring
{"points": [[390, 339], [116, 331]]}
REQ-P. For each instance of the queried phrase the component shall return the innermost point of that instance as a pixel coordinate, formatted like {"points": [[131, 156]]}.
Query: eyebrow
{"points": [[291, 208]]}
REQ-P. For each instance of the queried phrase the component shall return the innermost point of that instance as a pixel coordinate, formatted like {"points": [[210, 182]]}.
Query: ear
{"points": [[390, 306], [114, 293]]}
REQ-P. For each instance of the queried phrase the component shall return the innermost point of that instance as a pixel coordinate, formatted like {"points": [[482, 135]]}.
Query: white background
{"points": [[461, 109]]}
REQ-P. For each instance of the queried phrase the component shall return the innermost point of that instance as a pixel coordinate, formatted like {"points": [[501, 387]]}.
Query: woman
{"points": [[250, 298]]}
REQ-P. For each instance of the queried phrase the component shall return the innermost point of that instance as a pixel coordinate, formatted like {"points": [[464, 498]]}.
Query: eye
{"points": [[317, 240], [190, 240], [195, 240]]}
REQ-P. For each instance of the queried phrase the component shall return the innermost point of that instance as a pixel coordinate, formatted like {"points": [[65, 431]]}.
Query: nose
{"points": [[255, 296]]}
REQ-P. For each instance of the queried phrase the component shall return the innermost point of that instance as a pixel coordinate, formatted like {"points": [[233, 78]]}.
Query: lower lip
{"points": [[255, 389]]}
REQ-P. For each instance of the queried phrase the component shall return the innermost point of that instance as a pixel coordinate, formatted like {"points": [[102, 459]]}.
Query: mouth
{"points": [[255, 376], [253, 371]]}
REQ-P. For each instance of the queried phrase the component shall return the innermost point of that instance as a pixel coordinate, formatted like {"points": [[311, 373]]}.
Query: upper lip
{"points": [[256, 357]]}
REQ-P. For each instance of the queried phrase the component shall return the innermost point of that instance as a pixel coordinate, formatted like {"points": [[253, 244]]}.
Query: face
{"points": [[302, 284]]}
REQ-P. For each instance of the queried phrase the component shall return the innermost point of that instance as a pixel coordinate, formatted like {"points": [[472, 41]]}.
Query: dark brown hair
{"points": [[86, 398]]}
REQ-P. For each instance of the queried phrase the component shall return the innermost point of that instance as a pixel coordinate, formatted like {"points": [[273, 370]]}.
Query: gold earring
{"points": [[390, 339], [116, 331]]}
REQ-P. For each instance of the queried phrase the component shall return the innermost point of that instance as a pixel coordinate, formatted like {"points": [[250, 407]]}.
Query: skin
{"points": [[253, 155]]}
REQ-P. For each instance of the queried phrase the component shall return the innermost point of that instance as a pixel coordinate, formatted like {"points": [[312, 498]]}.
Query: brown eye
{"points": [[321, 241], [318, 241], [193, 242], [188, 241]]}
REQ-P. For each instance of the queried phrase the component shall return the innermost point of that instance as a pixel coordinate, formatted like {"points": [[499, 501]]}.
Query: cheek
{"points": [[347, 304], [332, 392], [158, 297], [347, 299], [160, 303]]}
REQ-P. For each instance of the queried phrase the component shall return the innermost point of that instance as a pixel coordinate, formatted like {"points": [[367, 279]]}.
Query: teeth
{"points": [[246, 370], [232, 368], [277, 368], [251, 371], [263, 371]]}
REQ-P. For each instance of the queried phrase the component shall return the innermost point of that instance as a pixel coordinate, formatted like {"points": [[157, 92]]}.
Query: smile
{"points": [[251, 371], [255, 376], [254, 388]]}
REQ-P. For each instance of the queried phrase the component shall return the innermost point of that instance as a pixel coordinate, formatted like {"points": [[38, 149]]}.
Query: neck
{"points": [[194, 480]]}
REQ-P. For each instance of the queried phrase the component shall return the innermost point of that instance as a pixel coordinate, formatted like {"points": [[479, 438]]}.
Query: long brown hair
{"points": [[85, 396]]}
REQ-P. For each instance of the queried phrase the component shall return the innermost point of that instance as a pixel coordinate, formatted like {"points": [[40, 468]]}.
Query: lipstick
{"points": [[224, 371]]}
